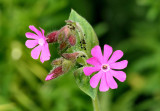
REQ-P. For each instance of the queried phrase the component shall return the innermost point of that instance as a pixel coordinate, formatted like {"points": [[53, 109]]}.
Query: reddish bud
{"points": [[72, 40], [51, 37], [63, 34], [70, 56], [58, 70], [55, 73], [66, 31], [63, 45]]}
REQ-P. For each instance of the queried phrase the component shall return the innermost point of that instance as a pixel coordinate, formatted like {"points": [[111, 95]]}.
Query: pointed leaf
{"points": [[85, 35], [83, 83], [86, 39]]}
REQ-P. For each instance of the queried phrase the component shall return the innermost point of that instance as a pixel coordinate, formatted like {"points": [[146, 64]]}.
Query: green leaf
{"points": [[88, 34], [86, 40], [83, 83]]}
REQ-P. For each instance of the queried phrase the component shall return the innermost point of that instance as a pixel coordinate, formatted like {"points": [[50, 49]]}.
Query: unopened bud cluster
{"points": [[66, 38]]}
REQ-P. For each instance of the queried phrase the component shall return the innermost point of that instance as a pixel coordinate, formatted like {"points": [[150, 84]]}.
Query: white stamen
{"points": [[41, 42]]}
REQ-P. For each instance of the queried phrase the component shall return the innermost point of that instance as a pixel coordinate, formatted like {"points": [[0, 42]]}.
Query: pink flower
{"points": [[105, 65], [38, 40]]}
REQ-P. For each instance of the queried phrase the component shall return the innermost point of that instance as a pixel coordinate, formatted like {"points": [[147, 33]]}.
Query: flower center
{"points": [[41, 42], [105, 67]]}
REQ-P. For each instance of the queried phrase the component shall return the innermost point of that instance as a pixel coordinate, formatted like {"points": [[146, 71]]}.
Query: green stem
{"points": [[96, 104]]}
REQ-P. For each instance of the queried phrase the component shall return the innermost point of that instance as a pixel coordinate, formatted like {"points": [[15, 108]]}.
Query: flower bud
{"points": [[72, 40], [55, 73], [58, 70], [66, 31], [70, 56], [51, 37], [57, 61], [63, 45], [67, 65], [63, 34]]}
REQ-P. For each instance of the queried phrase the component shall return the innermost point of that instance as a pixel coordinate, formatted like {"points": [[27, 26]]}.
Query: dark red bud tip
{"points": [[72, 40], [71, 56], [51, 37], [58, 70]]}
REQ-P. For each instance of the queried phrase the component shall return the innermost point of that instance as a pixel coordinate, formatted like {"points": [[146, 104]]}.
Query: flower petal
{"points": [[45, 54], [31, 43], [119, 65], [49, 77], [42, 31], [93, 61], [31, 35], [96, 52], [120, 75], [103, 85], [89, 70], [116, 56], [107, 52], [36, 51], [35, 30], [110, 80], [95, 79]]}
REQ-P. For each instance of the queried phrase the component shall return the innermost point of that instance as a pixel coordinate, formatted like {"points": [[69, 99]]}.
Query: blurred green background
{"points": [[132, 26]]}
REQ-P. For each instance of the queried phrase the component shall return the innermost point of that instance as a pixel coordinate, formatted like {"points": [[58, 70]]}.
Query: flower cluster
{"points": [[106, 65]]}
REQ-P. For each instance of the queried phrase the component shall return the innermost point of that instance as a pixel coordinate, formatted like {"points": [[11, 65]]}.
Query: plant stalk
{"points": [[96, 104]]}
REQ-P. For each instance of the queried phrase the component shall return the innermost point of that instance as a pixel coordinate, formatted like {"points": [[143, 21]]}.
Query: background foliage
{"points": [[130, 25]]}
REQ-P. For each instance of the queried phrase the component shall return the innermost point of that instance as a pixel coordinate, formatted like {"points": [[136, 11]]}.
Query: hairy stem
{"points": [[96, 104]]}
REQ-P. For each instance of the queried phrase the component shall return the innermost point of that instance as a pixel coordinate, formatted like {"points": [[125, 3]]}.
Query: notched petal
{"points": [[36, 52], [31, 35], [110, 80], [120, 75], [97, 53], [93, 61], [116, 56], [95, 79], [89, 70], [34, 29], [45, 54], [103, 85], [107, 52], [119, 65], [31, 43]]}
